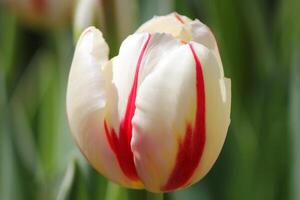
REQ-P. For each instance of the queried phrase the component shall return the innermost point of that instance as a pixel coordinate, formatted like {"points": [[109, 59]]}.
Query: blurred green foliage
{"points": [[259, 43]]}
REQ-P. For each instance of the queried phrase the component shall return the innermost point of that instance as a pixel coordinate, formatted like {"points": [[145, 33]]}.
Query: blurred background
{"points": [[259, 43]]}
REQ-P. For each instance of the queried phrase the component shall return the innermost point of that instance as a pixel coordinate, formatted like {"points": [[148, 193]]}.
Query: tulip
{"points": [[156, 115], [42, 13]]}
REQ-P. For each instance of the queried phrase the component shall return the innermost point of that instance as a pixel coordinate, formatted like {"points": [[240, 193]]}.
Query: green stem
{"points": [[155, 196], [114, 191]]}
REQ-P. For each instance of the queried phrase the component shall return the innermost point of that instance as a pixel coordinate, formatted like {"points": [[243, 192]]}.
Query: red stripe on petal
{"points": [[121, 144], [191, 147]]}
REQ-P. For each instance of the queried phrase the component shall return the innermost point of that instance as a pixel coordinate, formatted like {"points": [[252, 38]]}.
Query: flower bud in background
{"points": [[126, 17], [115, 18], [156, 115], [87, 13], [42, 13]]}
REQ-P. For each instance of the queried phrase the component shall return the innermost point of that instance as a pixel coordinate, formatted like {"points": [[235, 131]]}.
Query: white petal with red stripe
{"points": [[218, 102], [90, 99], [170, 136]]}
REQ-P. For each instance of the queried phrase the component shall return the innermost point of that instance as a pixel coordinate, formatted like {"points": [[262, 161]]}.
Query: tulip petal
{"points": [[218, 102], [203, 35], [124, 65], [138, 55], [91, 97], [219, 114], [120, 140], [166, 104]]}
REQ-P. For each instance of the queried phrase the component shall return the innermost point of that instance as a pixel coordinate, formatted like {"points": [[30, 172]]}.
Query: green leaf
{"points": [[294, 123], [9, 174], [73, 185]]}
